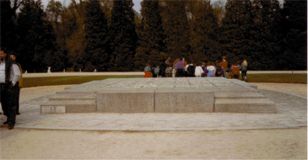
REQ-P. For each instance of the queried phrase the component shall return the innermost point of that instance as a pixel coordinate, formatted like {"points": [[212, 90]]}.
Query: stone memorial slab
{"points": [[161, 95]]}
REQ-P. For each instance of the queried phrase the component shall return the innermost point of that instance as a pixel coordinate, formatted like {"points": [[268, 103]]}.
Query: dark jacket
{"points": [[8, 67]]}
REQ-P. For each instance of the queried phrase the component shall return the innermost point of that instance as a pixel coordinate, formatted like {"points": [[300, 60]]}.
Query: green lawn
{"points": [[278, 78], [47, 81]]}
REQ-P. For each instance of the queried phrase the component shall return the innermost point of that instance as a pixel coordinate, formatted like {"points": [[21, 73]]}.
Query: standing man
{"points": [[19, 83], [9, 76], [224, 66]]}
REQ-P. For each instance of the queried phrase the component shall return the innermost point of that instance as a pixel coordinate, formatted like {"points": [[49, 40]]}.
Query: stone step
{"points": [[75, 93], [245, 105], [237, 95], [73, 97], [244, 101], [71, 102], [68, 106]]}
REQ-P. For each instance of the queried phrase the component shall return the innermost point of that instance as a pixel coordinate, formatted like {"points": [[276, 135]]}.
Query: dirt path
{"points": [[291, 88], [36, 92], [247, 144]]}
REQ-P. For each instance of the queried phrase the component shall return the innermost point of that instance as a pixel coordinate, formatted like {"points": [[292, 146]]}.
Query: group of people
{"points": [[180, 68], [10, 76]]}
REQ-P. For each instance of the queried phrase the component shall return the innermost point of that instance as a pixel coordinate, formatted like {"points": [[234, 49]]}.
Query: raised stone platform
{"points": [[160, 95]]}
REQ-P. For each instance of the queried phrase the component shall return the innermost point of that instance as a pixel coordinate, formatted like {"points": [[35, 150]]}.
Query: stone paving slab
{"points": [[181, 100], [238, 95], [245, 107], [126, 101], [69, 106]]}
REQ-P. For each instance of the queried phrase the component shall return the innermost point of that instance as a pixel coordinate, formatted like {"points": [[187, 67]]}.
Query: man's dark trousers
{"points": [[17, 98], [3, 97], [9, 102]]}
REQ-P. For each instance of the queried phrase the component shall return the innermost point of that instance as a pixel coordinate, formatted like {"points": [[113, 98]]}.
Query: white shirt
{"points": [[14, 75], [211, 71], [2, 72], [198, 71], [211, 68], [186, 67]]}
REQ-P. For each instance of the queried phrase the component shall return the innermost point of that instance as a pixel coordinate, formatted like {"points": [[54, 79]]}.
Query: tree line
{"points": [[106, 35]]}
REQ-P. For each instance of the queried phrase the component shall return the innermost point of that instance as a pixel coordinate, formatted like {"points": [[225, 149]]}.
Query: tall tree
{"points": [[8, 26], [294, 52], [71, 29], [96, 54], [54, 13], [219, 10], [37, 42], [204, 37], [175, 20], [266, 14], [236, 30], [123, 33], [152, 39]]}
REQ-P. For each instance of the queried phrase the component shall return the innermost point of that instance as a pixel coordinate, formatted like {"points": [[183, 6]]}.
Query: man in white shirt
{"points": [[9, 76]]}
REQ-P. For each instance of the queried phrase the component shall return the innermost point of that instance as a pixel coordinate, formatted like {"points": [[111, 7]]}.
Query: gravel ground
{"points": [[235, 144], [290, 88], [221, 144], [28, 94]]}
